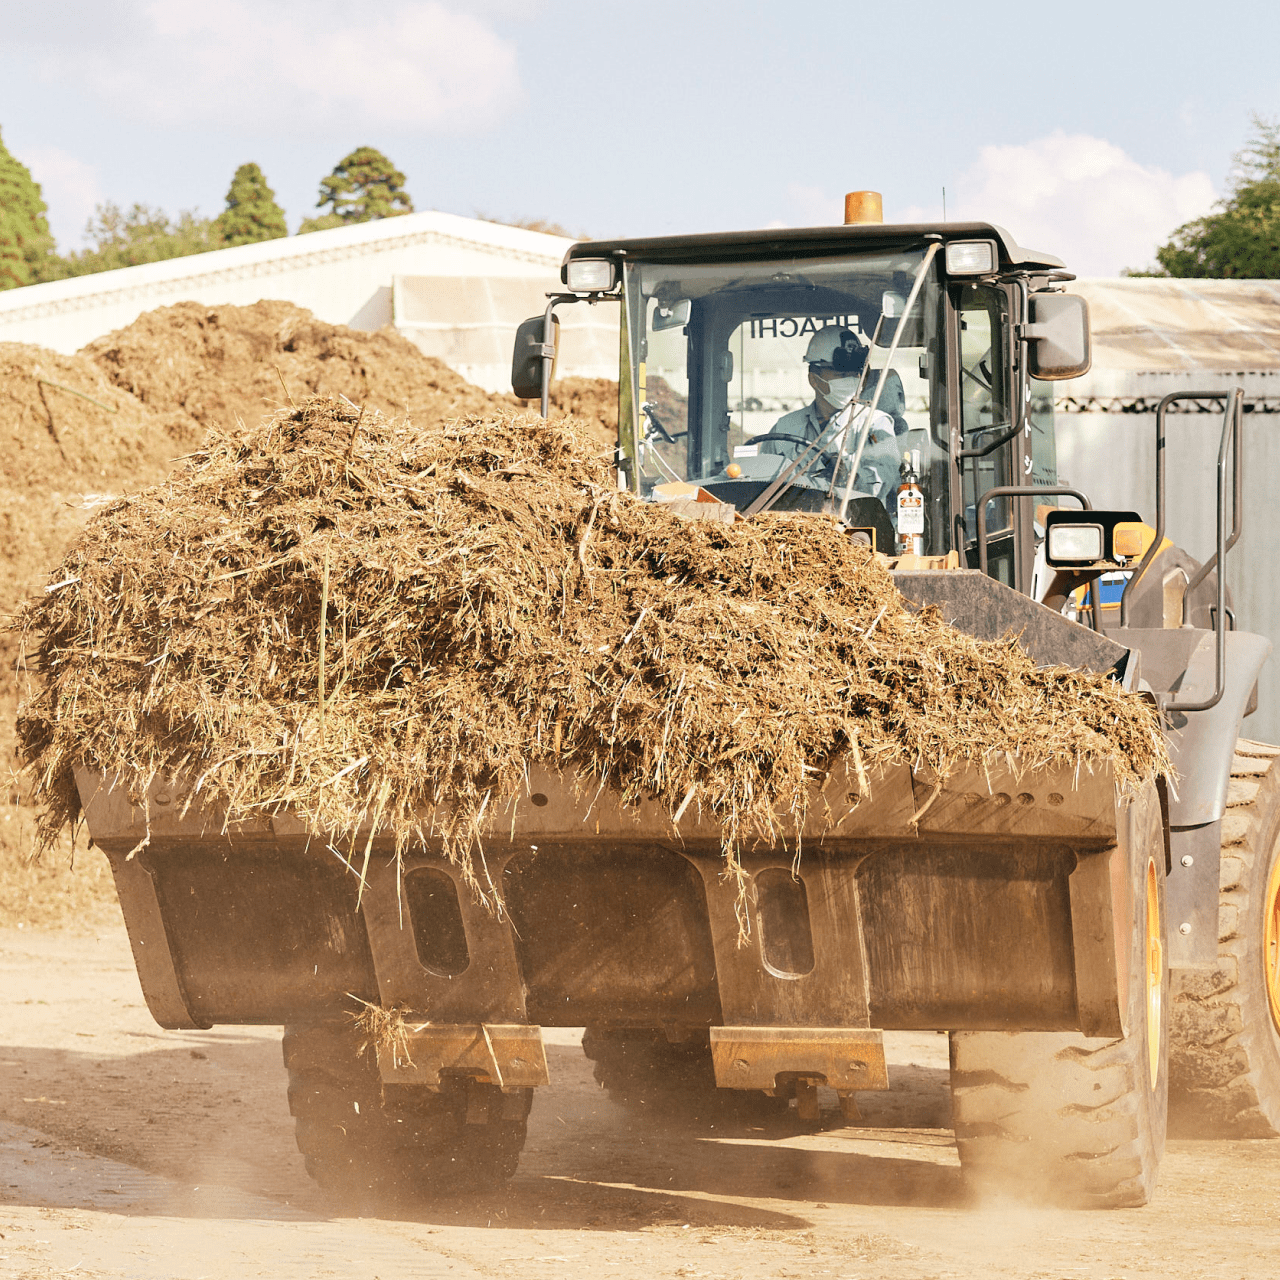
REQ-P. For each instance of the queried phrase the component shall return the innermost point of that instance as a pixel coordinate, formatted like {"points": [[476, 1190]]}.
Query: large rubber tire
{"points": [[403, 1142], [643, 1071], [1062, 1118], [1224, 1054]]}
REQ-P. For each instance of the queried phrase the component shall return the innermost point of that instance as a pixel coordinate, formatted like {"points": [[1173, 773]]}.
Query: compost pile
{"points": [[68, 438], [349, 617], [593, 401], [203, 367], [75, 430]]}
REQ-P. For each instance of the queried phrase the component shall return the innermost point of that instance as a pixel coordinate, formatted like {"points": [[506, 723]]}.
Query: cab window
{"points": [[985, 414]]}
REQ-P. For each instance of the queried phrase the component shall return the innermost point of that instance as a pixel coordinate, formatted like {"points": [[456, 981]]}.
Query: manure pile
{"points": [[203, 367], [67, 437], [355, 619], [112, 418]]}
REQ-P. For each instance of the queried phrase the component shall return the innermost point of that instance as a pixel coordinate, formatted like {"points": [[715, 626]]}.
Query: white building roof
{"points": [[1152, 336], [343, 275]]}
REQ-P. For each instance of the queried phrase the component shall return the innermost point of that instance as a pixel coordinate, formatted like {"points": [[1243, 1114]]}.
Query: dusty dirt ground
{"points": [[127, 1151]]}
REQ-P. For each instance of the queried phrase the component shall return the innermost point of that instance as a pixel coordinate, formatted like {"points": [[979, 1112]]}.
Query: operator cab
{"points": [[822, 369], [727, 399]]}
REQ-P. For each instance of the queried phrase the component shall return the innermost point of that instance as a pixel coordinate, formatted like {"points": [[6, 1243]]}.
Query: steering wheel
{"points": [[782, 435], [825, 456]]}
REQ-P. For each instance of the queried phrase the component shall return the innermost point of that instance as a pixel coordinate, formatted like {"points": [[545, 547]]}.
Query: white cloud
{"points": [[70, 188], [1081, 198], [416, 65]]}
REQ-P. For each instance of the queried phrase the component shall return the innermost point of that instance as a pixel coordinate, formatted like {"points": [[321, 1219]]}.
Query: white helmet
{"points": [[837, 346]]}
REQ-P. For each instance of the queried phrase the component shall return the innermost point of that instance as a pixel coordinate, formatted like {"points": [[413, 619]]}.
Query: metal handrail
{"points": [[992, 445], [1232, 437], [1154, 549], [1233, 404], [1024, 491]]}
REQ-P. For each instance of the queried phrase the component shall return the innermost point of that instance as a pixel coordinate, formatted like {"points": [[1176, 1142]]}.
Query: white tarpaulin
{"points": [[470, 323]]}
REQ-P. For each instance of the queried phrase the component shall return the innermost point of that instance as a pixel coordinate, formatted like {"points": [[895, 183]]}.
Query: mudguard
{"points": [[1181, 661]]}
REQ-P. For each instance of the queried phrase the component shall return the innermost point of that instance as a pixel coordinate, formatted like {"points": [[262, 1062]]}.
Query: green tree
{"points": [[251, 213], [1241, 238], [26, 247], [1259, 159], [324, 222], [363, 186], [120, 238]]}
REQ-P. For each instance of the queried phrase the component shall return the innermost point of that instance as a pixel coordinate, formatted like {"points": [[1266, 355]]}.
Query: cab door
{"points": [[986, 413]]}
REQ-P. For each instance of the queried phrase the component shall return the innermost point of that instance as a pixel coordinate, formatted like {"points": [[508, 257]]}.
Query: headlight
{"points": [[589, 275], [1075, 543]]}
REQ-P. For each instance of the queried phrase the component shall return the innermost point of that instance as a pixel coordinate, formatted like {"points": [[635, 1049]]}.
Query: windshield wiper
{"points": [[898, 331]]}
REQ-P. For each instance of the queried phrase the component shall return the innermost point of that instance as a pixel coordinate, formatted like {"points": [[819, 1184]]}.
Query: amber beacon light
{"points": [[863, 206]]}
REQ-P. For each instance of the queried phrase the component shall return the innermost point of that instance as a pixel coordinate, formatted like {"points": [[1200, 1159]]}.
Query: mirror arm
{"points": [[548, 352]]}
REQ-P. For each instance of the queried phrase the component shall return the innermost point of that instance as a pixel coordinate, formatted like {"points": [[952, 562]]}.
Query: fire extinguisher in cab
{"points": [[910, 506]]}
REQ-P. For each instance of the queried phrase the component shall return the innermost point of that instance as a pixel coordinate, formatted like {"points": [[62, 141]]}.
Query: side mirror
{"points": [[1058, 336], [676, 316], [526, 359]]}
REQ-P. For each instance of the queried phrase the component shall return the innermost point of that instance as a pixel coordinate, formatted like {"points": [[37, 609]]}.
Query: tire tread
{"points": [[1224, 1053], [357, 1137], [1059, 1117]]}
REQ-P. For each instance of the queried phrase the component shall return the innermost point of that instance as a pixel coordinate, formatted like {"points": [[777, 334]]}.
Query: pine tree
{"points": [[1260, 159], [363, 186], [1241, 238], [251, 213], [26, 247]]}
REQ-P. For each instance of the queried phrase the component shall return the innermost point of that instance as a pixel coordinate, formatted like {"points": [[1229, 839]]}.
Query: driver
{"points": [[835, 357]]}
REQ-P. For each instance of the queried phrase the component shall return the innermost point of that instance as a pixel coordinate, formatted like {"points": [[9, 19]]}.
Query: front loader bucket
{"points": [[989, 902]]}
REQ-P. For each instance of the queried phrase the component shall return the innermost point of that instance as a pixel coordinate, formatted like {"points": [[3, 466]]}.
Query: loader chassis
{"points": [[1025, 914]]}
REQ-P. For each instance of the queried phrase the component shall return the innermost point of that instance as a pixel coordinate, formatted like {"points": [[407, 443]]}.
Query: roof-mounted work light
{"points": [[590, 275], [971, 257]]}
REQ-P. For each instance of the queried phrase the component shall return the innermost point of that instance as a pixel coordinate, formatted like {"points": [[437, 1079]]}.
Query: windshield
{"points": [[756, 383]]}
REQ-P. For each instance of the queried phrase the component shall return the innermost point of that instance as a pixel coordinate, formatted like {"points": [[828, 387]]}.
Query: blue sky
{"points": [[1090, 130]]}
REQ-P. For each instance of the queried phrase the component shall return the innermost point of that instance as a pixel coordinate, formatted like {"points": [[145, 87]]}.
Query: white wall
{"points": [[1111, 458]]}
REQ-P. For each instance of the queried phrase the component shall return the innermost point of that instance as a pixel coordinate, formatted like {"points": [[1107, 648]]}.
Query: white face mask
{"points": [[840, 392]]}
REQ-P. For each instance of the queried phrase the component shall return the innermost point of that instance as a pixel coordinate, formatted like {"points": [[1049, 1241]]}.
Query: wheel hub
{"points": [[1155, 973]]}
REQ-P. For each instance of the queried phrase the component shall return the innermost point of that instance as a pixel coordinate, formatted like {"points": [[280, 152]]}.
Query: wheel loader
{"points": [[1088, 950]]}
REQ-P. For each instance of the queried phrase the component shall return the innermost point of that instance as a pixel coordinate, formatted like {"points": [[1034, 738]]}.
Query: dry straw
{"points": [[394, 624]]}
